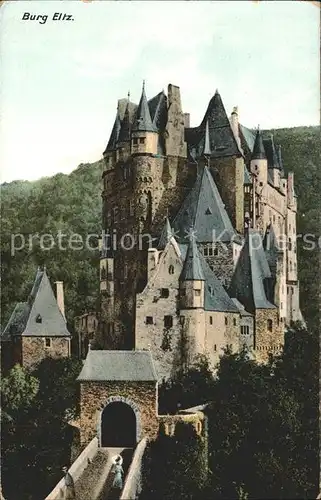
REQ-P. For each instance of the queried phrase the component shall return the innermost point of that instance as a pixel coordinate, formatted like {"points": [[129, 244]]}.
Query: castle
{"points": [[199, 235]]}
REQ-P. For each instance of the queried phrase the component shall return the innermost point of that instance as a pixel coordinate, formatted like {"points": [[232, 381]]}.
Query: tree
{"points": [[18, 390]]}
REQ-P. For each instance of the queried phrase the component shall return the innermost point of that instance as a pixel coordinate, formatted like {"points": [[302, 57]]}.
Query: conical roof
{"points": [[143, 121], [192, 268], [124, 133], [114, 134], [166, 235], [258, 149], [207, 145]]}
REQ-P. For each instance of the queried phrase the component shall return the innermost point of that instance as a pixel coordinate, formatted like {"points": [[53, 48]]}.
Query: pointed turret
{"points": [[166, 235], [114, 134], [258, 149], [192, 269], [143, 121], [124, 132]]}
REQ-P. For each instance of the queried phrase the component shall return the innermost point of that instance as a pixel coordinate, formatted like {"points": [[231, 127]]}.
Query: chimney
{"points": [[60, 297], [234, 121], [187, 122]]}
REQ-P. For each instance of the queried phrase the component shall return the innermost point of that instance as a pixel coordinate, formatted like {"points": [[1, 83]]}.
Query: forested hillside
{"points": [[72, 204]]}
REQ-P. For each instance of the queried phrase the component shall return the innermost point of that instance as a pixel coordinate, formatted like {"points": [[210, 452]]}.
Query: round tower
{"points": [[259, 164]]}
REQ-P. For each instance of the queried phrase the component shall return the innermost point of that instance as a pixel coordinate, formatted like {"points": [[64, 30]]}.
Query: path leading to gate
{"points": [[95, 483]]}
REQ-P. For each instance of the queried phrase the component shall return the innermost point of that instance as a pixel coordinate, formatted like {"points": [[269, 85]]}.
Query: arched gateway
{"points": [[118, 398], [118, 426]]}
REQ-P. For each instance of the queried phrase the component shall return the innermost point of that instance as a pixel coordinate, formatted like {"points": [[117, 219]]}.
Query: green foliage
{"points": [[70, 204], [262, 421], [301, 151], [175, 467], [18, 391], [36, 442]]}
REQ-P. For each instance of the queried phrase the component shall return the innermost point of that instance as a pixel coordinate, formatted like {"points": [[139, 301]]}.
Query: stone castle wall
{"points": [[33, 349]]}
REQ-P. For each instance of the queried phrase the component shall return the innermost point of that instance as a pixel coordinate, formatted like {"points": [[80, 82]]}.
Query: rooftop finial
{"points": [[128, 95], [143, 84]]}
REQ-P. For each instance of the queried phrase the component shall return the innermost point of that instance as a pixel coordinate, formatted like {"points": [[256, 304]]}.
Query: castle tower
{"points": [[259, 171], [144, 133], [191, 303]]}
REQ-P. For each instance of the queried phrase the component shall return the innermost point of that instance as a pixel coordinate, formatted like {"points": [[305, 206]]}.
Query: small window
{"points": [[205, 252], [38, 318], [171, 269], [215, 347], [261, 183], [182, 320], [142, 140], [292, 290], [135, 141], [234, 321], [211, 290], [149, 320], [269, 325], [216, 251], [47, 342], [164, 293], [125, 271], [211, 320], [210, 251], [168, 321], [208, 211], [273, 218], [226, 320], [197, 293]]}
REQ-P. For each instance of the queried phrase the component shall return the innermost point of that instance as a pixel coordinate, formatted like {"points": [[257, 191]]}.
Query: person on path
{"points": [[119, 472], [70, 493]]}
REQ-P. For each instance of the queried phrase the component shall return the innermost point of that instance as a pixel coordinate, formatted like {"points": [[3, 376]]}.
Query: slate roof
{"points": [[204, 211], [125, 128], [192, 269], [41, 302], [252, 275], [129, 366], [271, 154], [271, 246], [258, 152], [248, 136], [216, 297], [114, 134], [143, 121], [222, 141], [165, 236], [241, 308]]}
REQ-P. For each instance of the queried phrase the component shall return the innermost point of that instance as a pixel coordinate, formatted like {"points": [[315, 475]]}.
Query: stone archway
{"points": [[119, 423]]}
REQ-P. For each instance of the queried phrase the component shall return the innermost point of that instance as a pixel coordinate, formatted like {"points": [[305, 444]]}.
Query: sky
{"points": [[60, 80]]}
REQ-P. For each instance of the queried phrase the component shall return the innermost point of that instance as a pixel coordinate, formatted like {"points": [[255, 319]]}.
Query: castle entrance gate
{"points": [[118, 426]]}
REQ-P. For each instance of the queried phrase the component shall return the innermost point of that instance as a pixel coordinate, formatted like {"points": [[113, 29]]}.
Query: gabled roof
{"points": [[258, 152], [165, 236], [251, 275], [222, 141], [192, 269], [143, 121], [128, 366], [204, 211], [40, 316]]}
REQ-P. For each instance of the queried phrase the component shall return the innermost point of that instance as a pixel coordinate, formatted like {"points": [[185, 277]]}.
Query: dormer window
{"points": [[208, 211], [38, 318], [171, 269]]}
